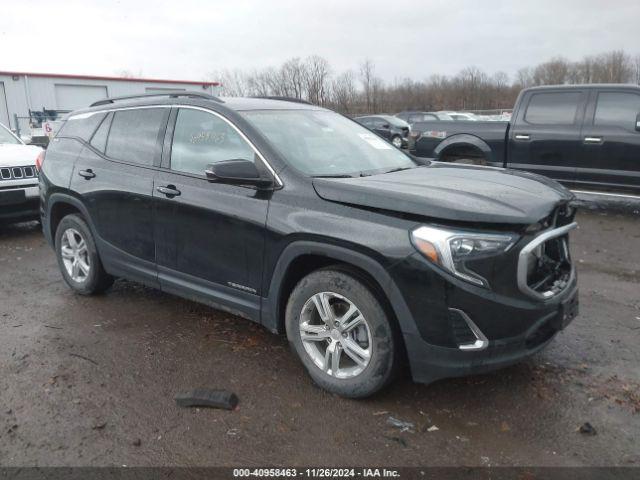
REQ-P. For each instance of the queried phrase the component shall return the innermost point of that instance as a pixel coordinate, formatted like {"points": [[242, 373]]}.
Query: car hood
{"points": [[18, 155], [452, 192]]}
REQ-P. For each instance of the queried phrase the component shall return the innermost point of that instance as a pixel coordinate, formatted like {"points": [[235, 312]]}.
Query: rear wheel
{"points": [[78, 257], [341, 333]]}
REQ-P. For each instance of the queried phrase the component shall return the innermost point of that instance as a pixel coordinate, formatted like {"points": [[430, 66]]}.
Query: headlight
{"points": [[451, 249]]}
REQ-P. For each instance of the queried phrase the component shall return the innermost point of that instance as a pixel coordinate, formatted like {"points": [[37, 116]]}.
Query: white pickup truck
{"points": [[19, 194]]}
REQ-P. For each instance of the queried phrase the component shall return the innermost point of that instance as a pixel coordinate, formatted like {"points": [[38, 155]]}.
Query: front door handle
{"points": [[592, 139], [523, 136], [88, 174], [169, 190]]}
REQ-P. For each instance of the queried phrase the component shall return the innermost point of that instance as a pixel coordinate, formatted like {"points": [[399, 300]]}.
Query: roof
{"points": [[115, 79], [228, 103], [585, 85]]}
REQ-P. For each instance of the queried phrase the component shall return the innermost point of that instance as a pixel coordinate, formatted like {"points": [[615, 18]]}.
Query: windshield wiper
{"points": [[399, 169], [331, 175]]}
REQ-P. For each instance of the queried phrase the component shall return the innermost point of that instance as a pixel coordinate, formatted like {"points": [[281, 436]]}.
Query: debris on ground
{"points": [[587, 429], [137, 442], [504, 427], [203, 397], [99, 426], [402, 425], [83, 358], [399, 440], [432, 428]]}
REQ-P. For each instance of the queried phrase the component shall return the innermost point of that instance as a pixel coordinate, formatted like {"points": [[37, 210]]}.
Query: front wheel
{"points": [[341, 333], [397, 141]]}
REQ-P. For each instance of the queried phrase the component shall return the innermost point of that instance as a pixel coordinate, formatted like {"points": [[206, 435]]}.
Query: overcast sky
{"points": [[190, 39]]}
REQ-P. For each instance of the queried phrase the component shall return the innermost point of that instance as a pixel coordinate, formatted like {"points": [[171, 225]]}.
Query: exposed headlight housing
{"points": [[452, 249]]}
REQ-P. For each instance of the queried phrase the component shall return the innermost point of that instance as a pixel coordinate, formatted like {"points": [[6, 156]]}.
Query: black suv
{"points": [[300, 219]]}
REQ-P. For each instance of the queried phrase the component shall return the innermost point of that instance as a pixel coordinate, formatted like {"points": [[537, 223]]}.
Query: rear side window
{"points": [[201, 138], [82, 125], [133, 136], [557, 108], [99, 140], [617, 109]]}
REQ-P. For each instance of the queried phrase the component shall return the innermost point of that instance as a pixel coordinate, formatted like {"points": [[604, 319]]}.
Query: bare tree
{"points": [[471, 89], [344, 93], [553, 72], [317, 73], [294, 75], [367, 74], [124, 73], [613, 67], [233, 83]]}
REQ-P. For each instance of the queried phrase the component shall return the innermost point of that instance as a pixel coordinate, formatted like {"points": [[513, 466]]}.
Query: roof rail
{"points": [[171, 94], [284, 99]]}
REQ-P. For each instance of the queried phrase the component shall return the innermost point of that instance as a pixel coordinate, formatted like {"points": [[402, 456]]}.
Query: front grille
{"points": [[17, 173], [544, 266], [549, 266]]}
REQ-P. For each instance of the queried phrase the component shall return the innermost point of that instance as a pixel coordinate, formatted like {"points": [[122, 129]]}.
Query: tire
{"points": [[80, 258], [373, 333], [396, 140]]}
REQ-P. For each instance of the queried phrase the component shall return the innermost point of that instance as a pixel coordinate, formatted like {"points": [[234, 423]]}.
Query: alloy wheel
{"points": [[75, 255], [397, 142], [335, 335]]}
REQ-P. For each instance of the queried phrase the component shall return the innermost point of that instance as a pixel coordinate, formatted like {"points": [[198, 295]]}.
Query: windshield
{"points": [[7, 137], [323, 143]]}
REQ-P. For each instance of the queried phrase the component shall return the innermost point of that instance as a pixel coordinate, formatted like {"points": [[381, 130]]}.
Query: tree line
{"points": [[361, 90]]}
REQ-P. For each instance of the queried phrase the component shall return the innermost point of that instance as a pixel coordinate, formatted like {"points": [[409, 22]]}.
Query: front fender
{"points": [[272, 316]]}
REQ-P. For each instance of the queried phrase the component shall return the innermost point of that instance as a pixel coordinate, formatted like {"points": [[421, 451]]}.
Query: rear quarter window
{"points": [[133, 136], [81, 126], [553, 108]]}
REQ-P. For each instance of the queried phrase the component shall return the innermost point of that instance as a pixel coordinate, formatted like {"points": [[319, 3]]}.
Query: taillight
{"points": [[40, 161]]}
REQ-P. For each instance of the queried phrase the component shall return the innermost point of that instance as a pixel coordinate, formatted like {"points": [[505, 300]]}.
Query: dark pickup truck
{"points": [[585, 136]]}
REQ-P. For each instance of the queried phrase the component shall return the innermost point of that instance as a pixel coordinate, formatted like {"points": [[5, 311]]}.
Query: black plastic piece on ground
{"points": [[203, 397]]}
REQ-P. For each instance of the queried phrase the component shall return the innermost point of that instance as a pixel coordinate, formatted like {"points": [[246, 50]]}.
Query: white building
{"points": [[22, 93]]}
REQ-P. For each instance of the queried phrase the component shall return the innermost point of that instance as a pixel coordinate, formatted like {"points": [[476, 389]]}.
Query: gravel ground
{"points": [[91, 381]]}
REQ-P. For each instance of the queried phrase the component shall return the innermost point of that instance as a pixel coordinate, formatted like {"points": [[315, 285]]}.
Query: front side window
{"points": [[7, 137], [617, 109], [201, 138], [556, 108], [134, 135], [324, 143]]}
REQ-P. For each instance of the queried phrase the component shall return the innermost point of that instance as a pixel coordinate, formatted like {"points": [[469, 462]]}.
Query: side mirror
{"points": [[237, 172], [638, 123]]}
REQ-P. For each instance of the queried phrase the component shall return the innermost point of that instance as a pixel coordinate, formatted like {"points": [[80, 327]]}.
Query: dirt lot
{"points": [[91, 381]]}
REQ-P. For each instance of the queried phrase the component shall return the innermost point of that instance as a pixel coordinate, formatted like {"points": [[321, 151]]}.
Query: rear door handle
{"points": [[523, 136], [88, 173], [169, 190], [592, 139]]}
